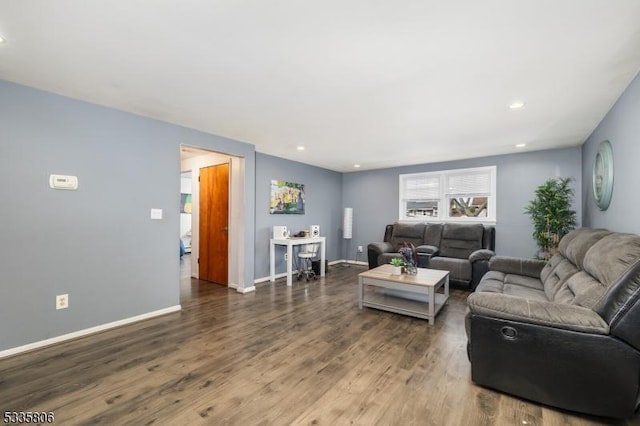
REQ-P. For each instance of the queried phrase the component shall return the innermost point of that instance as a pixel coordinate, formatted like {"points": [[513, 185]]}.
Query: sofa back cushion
{"points": [[433, 234], [555, 274], [569, 261], [620, 305], [580, 289], [610, 257], [407, 232], [574, 245], [604, 265], [460, 240]]}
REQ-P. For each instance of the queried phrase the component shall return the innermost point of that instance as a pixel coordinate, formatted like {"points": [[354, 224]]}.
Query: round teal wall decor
{"points": [[603, 175]]}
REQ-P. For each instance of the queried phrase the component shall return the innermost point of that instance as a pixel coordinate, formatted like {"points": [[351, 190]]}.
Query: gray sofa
{"points": [[462, 249], [565, 333]]}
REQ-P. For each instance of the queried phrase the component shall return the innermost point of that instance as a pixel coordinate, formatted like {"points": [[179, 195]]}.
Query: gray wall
{"points": [[98, 243], [621, 126], [323, 190], [374, 195]]}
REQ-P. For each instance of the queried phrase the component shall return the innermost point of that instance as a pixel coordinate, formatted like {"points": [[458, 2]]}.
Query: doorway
{"points": [[195, 159]]}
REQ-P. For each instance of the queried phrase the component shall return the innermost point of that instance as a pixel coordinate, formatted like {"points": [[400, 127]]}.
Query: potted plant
{"points": [[397, 264], [551, 213]]}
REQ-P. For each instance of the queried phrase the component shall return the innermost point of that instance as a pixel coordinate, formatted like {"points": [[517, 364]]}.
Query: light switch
{"points": [[156, 214], [63, 182]]}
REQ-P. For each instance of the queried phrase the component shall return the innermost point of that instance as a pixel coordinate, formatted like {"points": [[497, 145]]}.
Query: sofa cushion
{"points": [[564, 242], [412, 233], [538, 312], [610, 257], [580, 289], [524, 281], [524, 292], [550, 266], [460, 240], [492, 282], [580, 242], [511, 284], [604, 263], [459, 269], [555, 274], [433, 234]]}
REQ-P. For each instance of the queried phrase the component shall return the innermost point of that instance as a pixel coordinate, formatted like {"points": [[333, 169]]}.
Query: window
{"points": [[450, 195]]}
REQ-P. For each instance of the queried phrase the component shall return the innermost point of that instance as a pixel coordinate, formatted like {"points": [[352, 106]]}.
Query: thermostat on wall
{"points": [[63, 182]]}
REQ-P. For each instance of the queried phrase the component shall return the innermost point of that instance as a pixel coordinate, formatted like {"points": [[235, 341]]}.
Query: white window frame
{"points": [[445, 197]]}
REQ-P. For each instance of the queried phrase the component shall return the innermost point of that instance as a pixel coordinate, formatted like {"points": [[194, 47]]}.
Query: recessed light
{"points": [[516, 105], [300, 148], [521, 145], [357, 166], [2, 40]]}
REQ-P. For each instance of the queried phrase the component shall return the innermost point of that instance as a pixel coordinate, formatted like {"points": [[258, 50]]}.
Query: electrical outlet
{"points": [[359, 249], [62, 301]]}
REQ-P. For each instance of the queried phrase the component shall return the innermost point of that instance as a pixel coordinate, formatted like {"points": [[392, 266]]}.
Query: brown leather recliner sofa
{"points": [[463, 249], [566, 332]]}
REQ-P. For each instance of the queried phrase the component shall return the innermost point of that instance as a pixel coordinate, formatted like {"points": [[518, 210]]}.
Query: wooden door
{"points": [[214, 224]]}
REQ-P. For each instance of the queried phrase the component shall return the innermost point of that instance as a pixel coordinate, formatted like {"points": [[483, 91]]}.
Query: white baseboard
{"points": [[333, 262], [237, 288], [356, 262], [87, 331], [265, 279]]}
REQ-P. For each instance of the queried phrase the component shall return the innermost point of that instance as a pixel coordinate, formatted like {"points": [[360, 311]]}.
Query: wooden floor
{"points": [[279, 356]]}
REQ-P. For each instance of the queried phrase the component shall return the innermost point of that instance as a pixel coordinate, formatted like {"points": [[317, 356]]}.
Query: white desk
{"points": [[290, 242]]}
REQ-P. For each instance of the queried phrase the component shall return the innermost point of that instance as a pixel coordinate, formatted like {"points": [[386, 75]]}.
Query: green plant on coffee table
{"points": [[551, 213], [396, 261]]}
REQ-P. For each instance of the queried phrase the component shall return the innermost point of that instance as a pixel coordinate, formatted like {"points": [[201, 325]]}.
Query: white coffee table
{"points": [[422, 295]]}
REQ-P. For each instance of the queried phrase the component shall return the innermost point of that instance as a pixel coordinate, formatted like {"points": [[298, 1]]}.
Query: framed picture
{"points": [[286, 197], [185, 203]]}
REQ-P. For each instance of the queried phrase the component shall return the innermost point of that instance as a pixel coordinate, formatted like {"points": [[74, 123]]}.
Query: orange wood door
{"points": [[214, 224]]}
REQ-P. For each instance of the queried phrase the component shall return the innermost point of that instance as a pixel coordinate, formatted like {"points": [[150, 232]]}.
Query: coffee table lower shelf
{"points": [[403, 305], [422, 295]]}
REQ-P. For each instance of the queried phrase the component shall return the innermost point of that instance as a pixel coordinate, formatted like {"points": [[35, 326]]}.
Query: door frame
{"points": [[201, 157]]}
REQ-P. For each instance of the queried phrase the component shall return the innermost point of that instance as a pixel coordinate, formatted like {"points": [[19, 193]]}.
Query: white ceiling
{"points": [[380, 83]]}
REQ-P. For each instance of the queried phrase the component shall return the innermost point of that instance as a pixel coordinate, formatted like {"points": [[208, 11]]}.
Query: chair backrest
{"points": [[311, 249]]}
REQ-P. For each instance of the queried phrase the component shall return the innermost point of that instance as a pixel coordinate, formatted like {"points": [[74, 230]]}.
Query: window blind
{"points": [[418, 188], [476, 183]]}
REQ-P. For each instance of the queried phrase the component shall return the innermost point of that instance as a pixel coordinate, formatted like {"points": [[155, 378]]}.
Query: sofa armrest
{"points": [[380, 248], [482, 254], [427, 249], [376, 249], [517, 266], [567, 317]]}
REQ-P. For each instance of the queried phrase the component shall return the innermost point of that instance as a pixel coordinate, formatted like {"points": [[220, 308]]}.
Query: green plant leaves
{"points": [[551, 213]]}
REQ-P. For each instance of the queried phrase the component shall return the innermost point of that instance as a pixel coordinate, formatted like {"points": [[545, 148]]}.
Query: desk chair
{"points": [[306, 257]]}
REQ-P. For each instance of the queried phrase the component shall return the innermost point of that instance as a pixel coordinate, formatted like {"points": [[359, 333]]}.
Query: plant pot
{"points": [[397, 270]]}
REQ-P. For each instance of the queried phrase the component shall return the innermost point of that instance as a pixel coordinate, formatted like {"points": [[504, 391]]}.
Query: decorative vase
{"points": [[410, 270], [397, 270]]}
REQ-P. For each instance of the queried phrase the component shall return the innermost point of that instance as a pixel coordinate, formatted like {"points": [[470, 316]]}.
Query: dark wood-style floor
{"points": [[279, 356]]}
